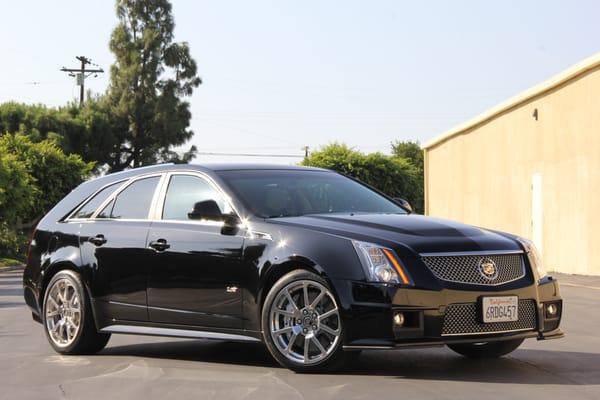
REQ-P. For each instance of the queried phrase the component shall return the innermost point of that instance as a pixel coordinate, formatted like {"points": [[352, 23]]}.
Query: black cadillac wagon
{"points": [[315, 265]]}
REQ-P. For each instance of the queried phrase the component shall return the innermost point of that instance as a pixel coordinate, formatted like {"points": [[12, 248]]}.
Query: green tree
{"points": [[149, 79], [394, 176], [91, 131], [412, 152], [88, 131]]}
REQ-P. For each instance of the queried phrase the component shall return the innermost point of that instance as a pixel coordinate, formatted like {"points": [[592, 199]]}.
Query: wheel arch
{"points": [[54, 269], [279, 270]]}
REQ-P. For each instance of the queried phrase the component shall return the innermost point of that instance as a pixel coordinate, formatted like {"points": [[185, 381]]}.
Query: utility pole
{"points": [[80, 74], [305, 148]]}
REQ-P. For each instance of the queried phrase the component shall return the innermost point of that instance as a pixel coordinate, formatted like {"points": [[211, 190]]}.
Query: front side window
{"points": [[133, 202], [186, 190], [88, 208]]}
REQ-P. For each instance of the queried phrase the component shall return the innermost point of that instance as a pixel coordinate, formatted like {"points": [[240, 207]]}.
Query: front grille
{"points": [[463, 319], [466, 268]]}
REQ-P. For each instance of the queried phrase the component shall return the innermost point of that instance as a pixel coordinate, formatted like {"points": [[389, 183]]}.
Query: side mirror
{"points": [[207, 209], [404, 204]]}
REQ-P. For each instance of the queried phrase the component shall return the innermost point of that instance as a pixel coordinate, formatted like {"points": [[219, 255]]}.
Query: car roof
{"points": [[213, 167], [256, 166]]}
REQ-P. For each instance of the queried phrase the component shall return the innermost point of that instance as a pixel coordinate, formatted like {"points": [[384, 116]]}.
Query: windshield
{"points": [[288, 193]]}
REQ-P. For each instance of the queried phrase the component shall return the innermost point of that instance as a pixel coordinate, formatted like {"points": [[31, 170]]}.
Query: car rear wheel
{"points": [[486, 349], [302, 326], [67, 317]]}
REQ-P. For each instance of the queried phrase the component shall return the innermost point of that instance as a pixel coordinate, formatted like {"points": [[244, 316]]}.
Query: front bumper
{"points": [[431, 318]]}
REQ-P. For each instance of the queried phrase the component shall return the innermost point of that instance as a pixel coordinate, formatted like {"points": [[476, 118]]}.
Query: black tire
{"points": [[335, 358], [487, 349], [87, 340]]}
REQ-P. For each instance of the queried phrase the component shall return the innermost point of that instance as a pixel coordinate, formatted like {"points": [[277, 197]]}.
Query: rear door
{"points": [[197, 266], [113, 245]]}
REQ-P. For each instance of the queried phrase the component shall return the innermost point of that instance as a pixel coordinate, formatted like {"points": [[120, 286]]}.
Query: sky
{"points": [[280, 75]]}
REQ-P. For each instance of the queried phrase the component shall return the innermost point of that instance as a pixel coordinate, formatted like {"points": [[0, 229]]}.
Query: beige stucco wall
{"points": [[483, 175]]}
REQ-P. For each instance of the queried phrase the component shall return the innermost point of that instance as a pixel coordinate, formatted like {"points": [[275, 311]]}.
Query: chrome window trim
{"points": [[89, 198], [121, 189], [152, 220], [158, 198], [157, 215]]}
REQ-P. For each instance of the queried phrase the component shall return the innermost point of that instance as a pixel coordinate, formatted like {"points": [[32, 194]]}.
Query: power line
{"points": [[80, 74], [31, 83]]}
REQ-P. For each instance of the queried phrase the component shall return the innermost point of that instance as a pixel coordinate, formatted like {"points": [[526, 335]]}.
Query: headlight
{"points": [[381, 264], [534, 256]]}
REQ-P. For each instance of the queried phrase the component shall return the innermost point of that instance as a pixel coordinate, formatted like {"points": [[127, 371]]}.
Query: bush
{"points": [[17, 192], [12, 242], [33, 177], [51, 171], [17, 195], [395, 176]]}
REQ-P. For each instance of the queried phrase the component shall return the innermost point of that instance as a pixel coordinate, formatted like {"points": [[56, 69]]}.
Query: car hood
{"points": [[422, 234]]}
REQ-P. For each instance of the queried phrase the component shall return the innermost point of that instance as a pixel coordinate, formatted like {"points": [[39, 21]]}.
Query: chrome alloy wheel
{"points": [[63, 312], [305, 323]]}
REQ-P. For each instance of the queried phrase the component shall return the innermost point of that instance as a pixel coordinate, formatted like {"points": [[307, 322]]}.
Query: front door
{"points": [[195, 272]]}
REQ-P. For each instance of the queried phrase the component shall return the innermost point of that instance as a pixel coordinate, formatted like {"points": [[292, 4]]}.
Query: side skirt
{"points": [[181, 333]]}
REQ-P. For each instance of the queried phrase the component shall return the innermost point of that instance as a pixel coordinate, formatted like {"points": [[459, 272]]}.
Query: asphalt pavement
{"points": [[135, 367]]}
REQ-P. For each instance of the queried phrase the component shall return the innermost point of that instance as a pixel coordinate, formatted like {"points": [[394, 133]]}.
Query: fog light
{"points": [[551, 310], [399, 319]]}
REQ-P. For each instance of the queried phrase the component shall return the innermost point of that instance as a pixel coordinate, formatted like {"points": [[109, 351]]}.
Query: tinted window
{"points": [[88, 209], [279, 193], [134, 201], [186, 190]]}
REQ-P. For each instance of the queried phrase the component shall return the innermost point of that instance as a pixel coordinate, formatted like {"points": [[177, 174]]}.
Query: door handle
{"points": [[160, 245], [98, 240]]}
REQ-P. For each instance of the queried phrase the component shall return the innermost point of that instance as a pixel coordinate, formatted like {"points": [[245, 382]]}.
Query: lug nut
{"points": [[305, 330], [305, 312], [314, 327]]}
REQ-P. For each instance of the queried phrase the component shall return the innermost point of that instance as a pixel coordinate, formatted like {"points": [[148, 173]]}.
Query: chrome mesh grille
{"points": [[465, 268], [463, 319]]}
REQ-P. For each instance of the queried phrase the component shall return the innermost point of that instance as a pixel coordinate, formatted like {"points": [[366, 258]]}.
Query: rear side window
{"points": [[133, 202], [186, 190], [88, 209]]}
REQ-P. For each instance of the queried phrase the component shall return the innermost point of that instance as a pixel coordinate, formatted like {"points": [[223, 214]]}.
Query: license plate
{"points": [[500, 309]]}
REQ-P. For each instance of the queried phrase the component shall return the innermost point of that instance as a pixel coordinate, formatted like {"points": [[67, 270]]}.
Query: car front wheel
{"points": [[301, 322], [486, 349]]}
